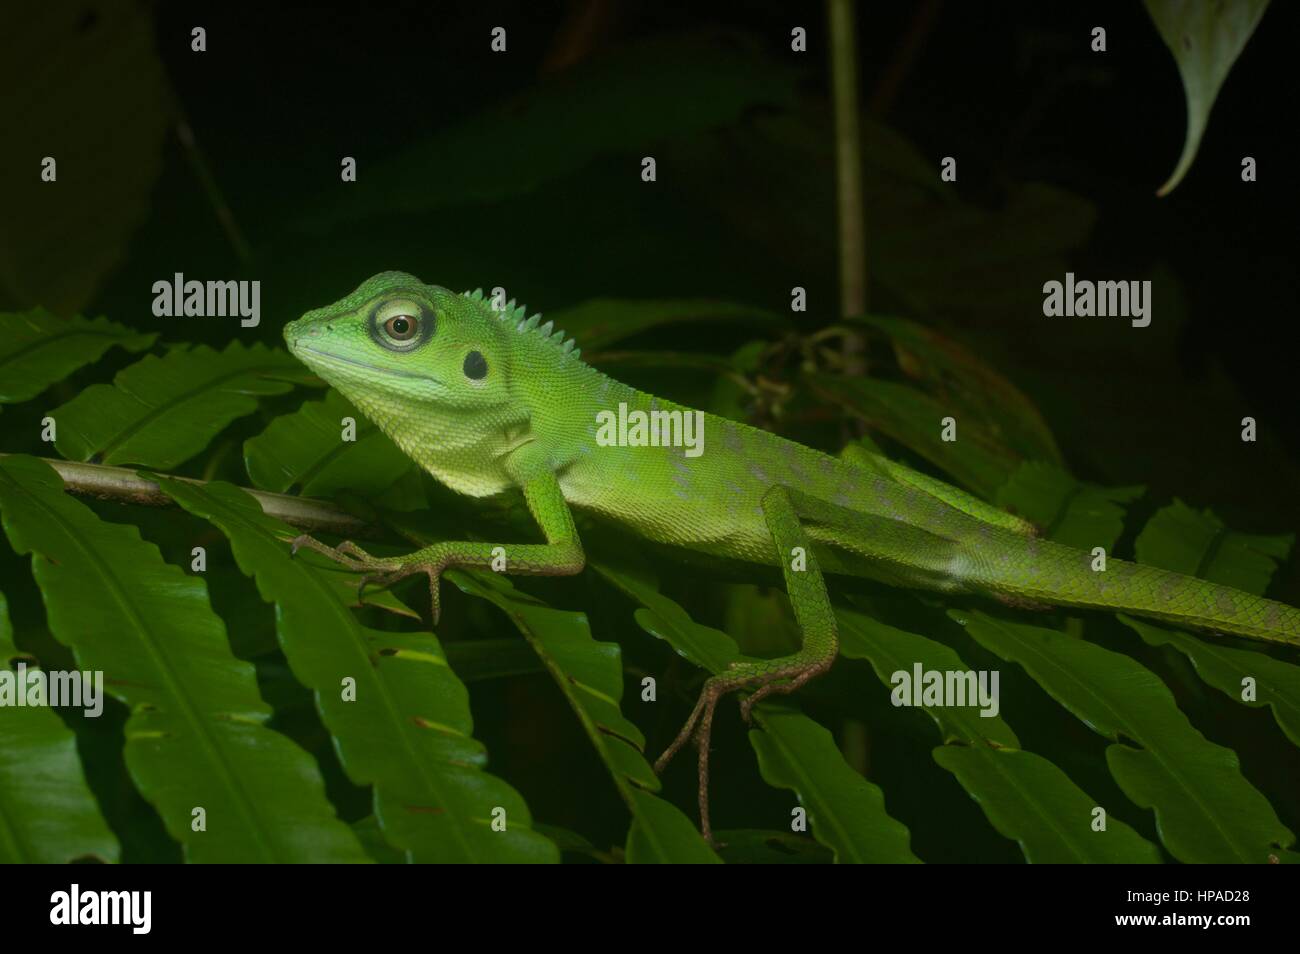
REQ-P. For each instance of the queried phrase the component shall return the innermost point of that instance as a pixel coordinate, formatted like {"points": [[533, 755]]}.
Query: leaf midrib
{"points": [[214, 749], [1026, 793], [159, 410], [978, 740], [63, 336], [1277, 701], [355, 643], [339, 449], [810, 790], [1122, 723], [622, 782]]}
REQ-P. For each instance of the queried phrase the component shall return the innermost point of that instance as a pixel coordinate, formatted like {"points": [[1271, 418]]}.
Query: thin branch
{"points": [[126, 486], [208, 182], [905, 53], [848, 170]]}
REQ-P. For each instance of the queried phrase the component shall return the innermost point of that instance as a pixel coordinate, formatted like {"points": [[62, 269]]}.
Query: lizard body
{"points": [[487, 400]]}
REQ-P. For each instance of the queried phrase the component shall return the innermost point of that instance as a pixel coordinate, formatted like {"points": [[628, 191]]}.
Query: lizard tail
{"points": [[1034, 570]]}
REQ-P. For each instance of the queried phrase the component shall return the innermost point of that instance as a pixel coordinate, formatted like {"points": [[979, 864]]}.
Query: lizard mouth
{"points": [[392, 372]]}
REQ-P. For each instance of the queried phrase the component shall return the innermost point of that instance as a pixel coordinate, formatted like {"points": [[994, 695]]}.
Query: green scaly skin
{"points": [[489, 400]]}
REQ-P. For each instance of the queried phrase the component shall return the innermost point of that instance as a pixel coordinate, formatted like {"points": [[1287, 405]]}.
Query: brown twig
{"points": [[126, 486], [905, 53], [848, 169]]}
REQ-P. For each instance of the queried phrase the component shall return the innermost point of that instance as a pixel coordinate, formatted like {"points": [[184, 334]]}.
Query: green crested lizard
{"points": [[488, 400]]}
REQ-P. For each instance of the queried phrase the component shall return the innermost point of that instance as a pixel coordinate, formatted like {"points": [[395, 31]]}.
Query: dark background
{"points": [[1012, 90]]}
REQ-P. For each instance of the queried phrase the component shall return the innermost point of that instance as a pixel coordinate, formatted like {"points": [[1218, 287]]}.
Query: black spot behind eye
{"points": [[475, 365]]}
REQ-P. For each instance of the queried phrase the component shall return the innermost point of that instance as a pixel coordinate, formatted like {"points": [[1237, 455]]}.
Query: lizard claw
{"points": [[364, 582], [435, 602]]}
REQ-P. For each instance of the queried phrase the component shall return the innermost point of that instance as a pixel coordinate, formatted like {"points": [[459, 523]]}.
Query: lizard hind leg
{"points": [[816, 621], [777, 676]]}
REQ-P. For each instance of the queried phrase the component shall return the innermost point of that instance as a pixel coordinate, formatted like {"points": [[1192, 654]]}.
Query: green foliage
{"points": [[618, 101], [1066, 509], [161, 411], [47, 813], [196, 738], [1205, 39], [104, 105], [1025, 796], [395, 772], [590, 676], [405, 726], [911, 417], [1198, 544], [228, 688], [975, 389], [1178, 538], [37, 349], [845, 812], [304, 451], [1206, 809]]}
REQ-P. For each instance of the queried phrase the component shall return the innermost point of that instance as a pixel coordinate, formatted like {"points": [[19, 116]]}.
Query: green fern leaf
{"points": [[407, 729], [196, 738], [160, 412], [591, 677], [978, 459], [1198, 544], [1205, 808], [1026, 797], [47, 813], [845, 812], [1065, 509], [37, 349], [305, 450]]}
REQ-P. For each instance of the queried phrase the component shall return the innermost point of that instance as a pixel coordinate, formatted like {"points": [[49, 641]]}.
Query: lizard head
{"points": [[397, 343], [433, 369]]}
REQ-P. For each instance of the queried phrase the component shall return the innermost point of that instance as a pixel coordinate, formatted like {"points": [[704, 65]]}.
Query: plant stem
{"points": [[199, 165], [126, 486], [905, 53], [848, 157]]}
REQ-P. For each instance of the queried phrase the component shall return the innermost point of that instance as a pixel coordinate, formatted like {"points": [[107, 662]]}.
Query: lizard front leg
{"points": [[561, 555], [816, 620]]}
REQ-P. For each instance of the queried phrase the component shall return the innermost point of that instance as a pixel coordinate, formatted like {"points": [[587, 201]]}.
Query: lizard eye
{"points": [[401, 324], [400, 327]]}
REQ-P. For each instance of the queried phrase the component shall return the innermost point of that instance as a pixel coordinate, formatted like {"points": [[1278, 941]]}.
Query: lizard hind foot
{"points": [[346, 554], [774, 676]]}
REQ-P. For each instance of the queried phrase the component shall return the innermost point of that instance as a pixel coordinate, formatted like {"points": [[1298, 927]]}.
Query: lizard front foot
{"points": [[382, 571]]}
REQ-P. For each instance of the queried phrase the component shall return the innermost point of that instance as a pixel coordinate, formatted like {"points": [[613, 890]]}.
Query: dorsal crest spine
{"points": [[517, 315]]}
